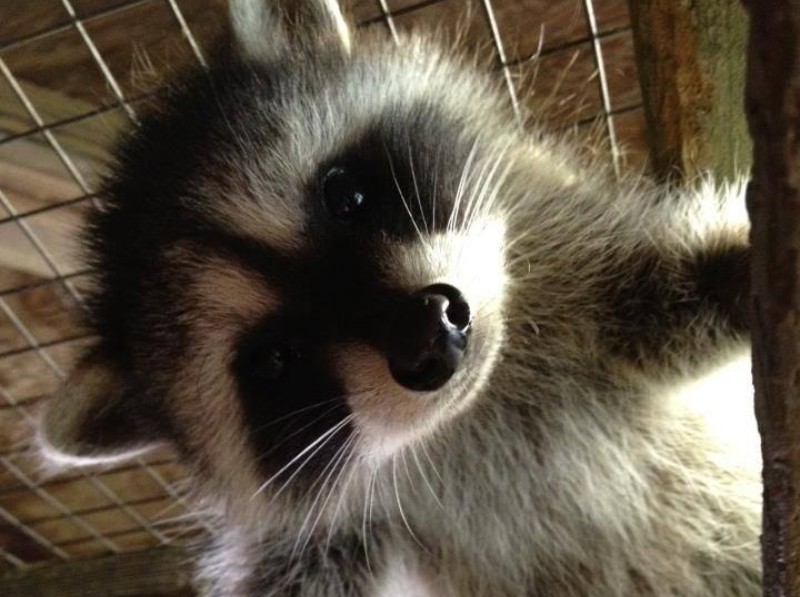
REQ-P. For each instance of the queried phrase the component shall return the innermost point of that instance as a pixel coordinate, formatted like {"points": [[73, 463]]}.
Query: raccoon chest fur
{"points": [[405, 346]]}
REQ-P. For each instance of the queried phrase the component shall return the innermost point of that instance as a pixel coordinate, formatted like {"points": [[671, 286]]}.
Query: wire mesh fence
{"points": [[73, 74]]}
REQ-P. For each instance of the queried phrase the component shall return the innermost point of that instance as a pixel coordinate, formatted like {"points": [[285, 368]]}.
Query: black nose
{"points": [[429, 337]]}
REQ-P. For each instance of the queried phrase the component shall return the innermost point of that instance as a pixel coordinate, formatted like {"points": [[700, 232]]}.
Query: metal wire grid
{"points": [[58, 276], [596, 34], [375, 12]]}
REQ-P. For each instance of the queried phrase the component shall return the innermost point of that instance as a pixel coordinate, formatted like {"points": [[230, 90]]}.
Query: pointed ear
{"points": [[263, 29], [94, 419]]}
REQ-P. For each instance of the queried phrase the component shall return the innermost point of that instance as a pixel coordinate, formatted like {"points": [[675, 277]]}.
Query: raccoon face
{"points": [[301, 263]]}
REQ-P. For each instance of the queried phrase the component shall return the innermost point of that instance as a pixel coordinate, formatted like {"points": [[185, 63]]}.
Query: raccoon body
{"points": [[406, 348]]}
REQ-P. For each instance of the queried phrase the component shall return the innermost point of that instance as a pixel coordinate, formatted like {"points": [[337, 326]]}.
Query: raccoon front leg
{"points": [[680, 298]]}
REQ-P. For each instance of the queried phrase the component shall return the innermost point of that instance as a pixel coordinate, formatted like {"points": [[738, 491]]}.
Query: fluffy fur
{"points": [[570, 454]]}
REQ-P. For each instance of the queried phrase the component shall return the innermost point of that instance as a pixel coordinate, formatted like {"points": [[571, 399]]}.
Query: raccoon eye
{"points": [[270, 363], [342, 193]]}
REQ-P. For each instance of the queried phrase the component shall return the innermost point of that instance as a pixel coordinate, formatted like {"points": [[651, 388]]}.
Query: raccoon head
{"points": [[302, 251]]}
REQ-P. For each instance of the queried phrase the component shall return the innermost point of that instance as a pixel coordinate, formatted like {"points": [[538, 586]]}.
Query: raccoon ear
{"points": [[263, 29], [93, 418]]}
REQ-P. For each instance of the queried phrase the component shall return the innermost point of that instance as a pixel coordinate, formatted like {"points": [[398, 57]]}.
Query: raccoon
{"points": [[407, 348]]}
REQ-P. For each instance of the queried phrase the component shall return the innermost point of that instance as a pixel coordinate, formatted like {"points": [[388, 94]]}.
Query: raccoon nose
{"points": [[429, 338]]}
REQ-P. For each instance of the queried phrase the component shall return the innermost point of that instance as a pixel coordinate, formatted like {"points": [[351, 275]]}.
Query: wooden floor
{"points": [[70, 84]]}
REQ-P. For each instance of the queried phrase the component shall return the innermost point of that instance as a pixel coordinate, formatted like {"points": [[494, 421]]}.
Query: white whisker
{"points": [[296, 412], [400, 505], [476, 188], [405, 203], [430, 461], [366, 525], [482, 199], [330, 468], [298, 431], [405, 466], [425, 477], [322, 438], [350, 475], [416, 190], [308, 459], [462, 183]]}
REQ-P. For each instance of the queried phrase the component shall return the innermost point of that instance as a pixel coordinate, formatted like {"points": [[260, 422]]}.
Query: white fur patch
{"points": [[257, 28], [261, 33], [471, 260], [342, 30], [88, 391], [723, 398], [388, 416], [400, 579]]}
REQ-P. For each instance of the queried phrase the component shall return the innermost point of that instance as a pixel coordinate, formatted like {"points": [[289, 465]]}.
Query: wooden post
{"points": [[773, 111], [691, 66]]}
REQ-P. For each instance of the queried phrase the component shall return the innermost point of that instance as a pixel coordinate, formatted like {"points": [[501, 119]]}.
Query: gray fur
{"points": [[568, 457]]}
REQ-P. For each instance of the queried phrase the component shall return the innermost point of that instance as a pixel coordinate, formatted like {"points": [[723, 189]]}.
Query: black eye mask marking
{"points": [[289, 394], [384, 184]]}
